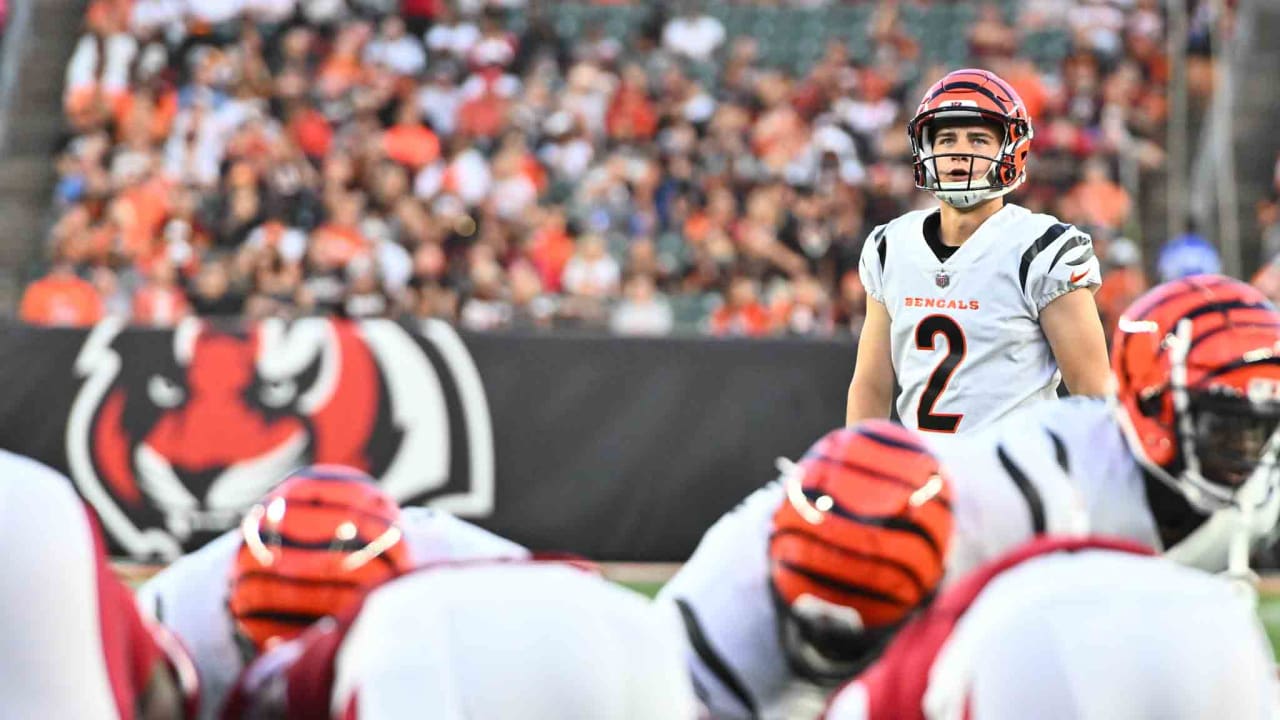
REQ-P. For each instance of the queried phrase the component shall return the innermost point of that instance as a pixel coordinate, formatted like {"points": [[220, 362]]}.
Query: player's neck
{"points": [[958, 225]]}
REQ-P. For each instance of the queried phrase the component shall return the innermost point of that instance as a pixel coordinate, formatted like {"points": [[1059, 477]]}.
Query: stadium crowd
{"points": [[653, 171]]}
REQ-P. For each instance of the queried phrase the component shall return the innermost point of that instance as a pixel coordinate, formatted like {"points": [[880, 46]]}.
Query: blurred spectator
{"points": [[742, 314], [1096, 200], [642, 311], [1187, 254], [159, 301], [591, 272], [693, 34], [420, 159], [1123, 281], [61, 298]]}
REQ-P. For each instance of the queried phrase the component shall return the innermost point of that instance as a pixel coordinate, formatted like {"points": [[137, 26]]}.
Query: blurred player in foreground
{"points": [[1074, 629], [312, 546], [798, 588], [74, 644], [1183, 457], [529, 640], [980, 306]]}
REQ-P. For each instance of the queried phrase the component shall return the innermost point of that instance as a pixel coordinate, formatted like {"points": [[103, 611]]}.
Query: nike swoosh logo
{"points": [[1077, 277]]}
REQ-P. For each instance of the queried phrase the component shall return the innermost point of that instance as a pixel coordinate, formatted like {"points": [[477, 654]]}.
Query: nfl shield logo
{"points": [[942, 279]]}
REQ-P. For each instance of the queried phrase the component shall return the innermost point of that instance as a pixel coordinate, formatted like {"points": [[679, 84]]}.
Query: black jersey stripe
{"points": [[882, 246], [1075, 242], [1035, 505], [1060, 452], [1041, 244], [716, 664]]}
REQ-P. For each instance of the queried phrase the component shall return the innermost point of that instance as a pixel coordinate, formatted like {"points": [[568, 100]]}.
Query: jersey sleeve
{"points": [[871, 264], [1013, 482], [1059, 261], [435, 536]]}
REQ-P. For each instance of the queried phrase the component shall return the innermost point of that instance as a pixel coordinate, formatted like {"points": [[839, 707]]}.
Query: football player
{"points": [[1181, 458], [1079, 629], [980, 306], [74, 644], [797, 588], [313, 545], [530, 640]]}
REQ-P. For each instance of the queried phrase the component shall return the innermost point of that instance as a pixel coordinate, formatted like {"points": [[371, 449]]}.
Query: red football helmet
{"points": [[971, 97], [859, 544], [1197, 367], [315, 543]]}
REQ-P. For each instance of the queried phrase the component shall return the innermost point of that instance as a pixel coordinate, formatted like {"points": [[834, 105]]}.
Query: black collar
{"points": [[933, 236]]}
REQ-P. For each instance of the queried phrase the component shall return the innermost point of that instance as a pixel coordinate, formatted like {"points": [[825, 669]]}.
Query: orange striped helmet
{"points": [[1197, 368], [315, 543], [859, 543], [971, 97]]}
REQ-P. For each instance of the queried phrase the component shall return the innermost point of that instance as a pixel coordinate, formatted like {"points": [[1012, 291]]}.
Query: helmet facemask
{"points": [[1229, 440], [1001, 177]]}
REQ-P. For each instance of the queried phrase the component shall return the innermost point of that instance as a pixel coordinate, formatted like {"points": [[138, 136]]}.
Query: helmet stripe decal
{"points": [[1236, 365], [872, 473], [1035, 505], [712, 659], [906, 570], [1041, 244], [309, 582], [842, 585], [892, 522], [1233, 326], [1138, 312], [965, 85]]}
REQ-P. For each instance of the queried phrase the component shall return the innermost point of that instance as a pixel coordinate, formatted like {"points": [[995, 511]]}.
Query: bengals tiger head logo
{"points": [[174, 434]]}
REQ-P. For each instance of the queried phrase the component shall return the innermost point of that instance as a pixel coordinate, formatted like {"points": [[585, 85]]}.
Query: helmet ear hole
{"points": [[1149, 403]]}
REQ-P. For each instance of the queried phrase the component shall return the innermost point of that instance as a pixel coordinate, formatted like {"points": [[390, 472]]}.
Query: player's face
{"points": [[966, 152]]}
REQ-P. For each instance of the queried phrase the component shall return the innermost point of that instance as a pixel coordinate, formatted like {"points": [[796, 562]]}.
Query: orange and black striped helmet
{"points": [[314, 544], [971, 97], [859, 543], [1197, 369]]}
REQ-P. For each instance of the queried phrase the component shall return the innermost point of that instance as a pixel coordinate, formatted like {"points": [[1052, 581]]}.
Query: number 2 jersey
{"points": [[964, 329]]}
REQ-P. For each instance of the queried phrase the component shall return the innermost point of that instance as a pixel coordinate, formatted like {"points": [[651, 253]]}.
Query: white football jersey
{"points": [[190, 596], [967, 346], [1065, 468], [511, 640], [722, 595], [68, 649], [1088, 635]]}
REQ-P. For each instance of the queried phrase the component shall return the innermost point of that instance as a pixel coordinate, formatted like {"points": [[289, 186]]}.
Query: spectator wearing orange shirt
{"points": [[1097, 200], [409, 142], [160, 302], [742, 314], [61, 299], [631, 115], [337, 242]]}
